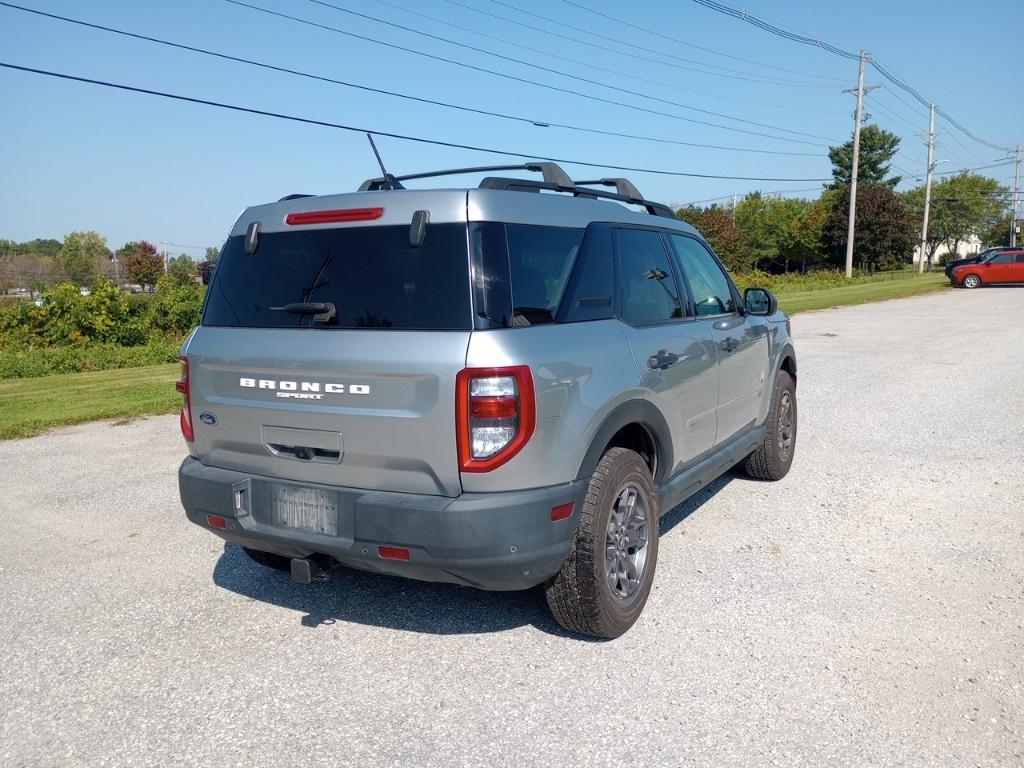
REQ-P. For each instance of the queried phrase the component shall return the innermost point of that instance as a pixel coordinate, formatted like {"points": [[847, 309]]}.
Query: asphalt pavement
{"points": [[868, 610]]}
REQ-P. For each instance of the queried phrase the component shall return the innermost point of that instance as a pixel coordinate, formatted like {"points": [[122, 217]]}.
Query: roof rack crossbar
{"points": [[622, 186], [552, 173]]}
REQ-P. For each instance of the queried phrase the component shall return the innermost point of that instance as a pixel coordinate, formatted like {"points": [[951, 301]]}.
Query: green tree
{"points": [[141, 263], [766, 224], [718, 228], [998, 232], [961, 206], [877, 149], [80, 255], [885, 230], [806, 232], [181, 269], [212, 254]]}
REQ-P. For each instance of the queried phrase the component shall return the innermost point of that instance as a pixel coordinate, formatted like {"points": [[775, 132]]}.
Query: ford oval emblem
{"points": [[208, 418]]}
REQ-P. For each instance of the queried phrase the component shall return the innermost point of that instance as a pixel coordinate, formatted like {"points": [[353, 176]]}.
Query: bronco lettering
{"points": [[302, 388]]}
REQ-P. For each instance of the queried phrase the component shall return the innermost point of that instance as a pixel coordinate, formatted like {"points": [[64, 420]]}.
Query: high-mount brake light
{"points": [[495, 415], [183, 386], [333, 216]]}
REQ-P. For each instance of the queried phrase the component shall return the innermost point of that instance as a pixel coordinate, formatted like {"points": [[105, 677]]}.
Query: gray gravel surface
{"points": [[866, 611]]}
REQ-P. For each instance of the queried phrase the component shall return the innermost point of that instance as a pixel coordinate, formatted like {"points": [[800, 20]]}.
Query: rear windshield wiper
{"points": [[322, 311]]}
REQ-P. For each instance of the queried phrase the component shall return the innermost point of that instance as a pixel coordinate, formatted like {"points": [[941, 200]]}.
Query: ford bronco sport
{"points": [[502, 387]]}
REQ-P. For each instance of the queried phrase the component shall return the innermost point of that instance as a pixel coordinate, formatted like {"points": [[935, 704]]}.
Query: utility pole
{"points": [[1016, 202], [927, 187], [856, 161]]}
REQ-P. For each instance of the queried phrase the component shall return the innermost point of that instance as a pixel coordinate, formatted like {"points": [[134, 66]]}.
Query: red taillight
{"points": [[338, 215], [216, 521], [182, 385], [393, 553], [495, 415]]}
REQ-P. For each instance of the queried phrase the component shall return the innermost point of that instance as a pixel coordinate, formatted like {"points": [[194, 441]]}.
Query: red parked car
{"points": [[1004, 266]]}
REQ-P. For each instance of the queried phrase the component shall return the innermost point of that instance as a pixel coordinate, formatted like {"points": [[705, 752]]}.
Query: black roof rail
{"points": [[294, 197], [552, 172], [625, 192], [555, 179]]}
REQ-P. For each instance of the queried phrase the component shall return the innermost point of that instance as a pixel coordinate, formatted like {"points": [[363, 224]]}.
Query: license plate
{"points": [[306, 509]]}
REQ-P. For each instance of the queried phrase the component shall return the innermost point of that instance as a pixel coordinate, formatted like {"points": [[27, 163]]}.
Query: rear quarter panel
{"points": [[582, 372]]}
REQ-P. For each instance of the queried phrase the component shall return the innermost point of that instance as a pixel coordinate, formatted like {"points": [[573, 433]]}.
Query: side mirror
{"points": [[760, 301]]}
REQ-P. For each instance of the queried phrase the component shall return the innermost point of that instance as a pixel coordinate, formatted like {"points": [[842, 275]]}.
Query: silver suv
{"points": [[501, 386]]}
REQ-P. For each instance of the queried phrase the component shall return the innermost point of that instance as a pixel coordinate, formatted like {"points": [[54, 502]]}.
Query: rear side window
{"points": [[374, 278], [521, 271]]}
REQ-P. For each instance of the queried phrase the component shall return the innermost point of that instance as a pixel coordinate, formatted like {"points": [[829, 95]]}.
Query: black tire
{"points": [[774, 457], [581, 595], [970, 281], [269, 559]]}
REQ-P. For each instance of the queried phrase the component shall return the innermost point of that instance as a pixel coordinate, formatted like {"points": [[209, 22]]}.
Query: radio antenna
{"points": [[389, 180]]}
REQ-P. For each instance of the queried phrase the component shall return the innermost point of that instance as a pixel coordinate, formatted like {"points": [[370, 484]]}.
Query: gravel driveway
{"points": [[866, 611]]}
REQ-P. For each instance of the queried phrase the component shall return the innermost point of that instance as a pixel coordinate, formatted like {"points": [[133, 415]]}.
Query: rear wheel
{"points": [[607, 576], [269, 559], [774, 457], [971, 281]]}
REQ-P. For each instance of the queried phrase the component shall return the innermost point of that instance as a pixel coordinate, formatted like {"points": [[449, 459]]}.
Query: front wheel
{"points": [[774, 457], [971, 281], [605, 580]]}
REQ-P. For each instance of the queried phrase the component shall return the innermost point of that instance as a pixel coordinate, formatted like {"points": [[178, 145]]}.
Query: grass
{"points": [[887, 286], [30, 406]]}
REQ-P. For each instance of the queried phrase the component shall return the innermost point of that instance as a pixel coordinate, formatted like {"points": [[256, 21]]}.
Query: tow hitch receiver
{"points": [[306, 570]]}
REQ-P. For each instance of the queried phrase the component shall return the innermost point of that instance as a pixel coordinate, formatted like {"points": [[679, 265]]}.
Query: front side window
{"points": [[712, 292], [647, 286], [1003, 258]]}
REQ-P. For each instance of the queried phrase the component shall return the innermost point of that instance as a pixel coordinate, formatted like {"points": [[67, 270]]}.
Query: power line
{"points": [[979, 168], [396, 94], [588, 64], [763, 192], [606, 49], [675, 40], [881, 68], [550, 70], [743, 15], [387, 134]]}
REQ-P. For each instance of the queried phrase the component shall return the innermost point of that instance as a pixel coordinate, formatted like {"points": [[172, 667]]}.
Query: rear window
{"points": [[374, 278]]}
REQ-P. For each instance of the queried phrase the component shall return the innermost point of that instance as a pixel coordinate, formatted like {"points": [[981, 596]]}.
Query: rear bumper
{"points": [[497, 541]]}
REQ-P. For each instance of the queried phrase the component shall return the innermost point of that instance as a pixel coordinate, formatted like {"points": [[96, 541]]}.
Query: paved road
{"points": [[867, 611]]}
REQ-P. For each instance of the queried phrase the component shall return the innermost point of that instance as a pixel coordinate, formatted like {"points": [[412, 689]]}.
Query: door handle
{"points": [[662, 360], [730, 344]]}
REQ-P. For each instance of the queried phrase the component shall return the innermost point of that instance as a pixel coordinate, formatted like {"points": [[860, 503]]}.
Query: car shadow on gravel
{"points": [[360, 597]]}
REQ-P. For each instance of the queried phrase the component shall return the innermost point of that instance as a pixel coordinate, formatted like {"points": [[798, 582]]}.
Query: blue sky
{"points": [[130, 166]]}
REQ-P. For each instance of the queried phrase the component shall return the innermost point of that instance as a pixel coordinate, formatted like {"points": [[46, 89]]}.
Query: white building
{"points": [[967, 247]]}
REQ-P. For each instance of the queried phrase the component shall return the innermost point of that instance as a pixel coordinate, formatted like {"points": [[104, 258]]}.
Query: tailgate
{"points": [[360, 409]]}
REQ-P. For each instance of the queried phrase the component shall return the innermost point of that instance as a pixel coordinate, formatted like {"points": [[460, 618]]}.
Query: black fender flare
{"points": [[787, 351], [641, 412]]}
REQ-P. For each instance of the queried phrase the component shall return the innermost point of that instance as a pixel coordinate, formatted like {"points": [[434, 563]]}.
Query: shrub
{"points": [[17, 362], [175, 307]]}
